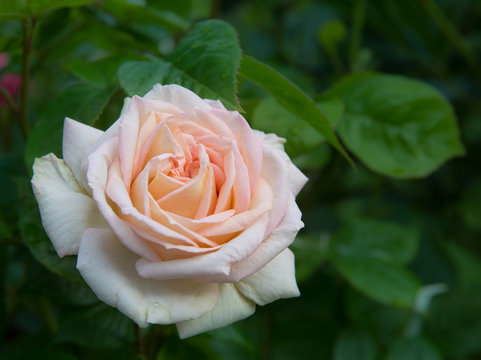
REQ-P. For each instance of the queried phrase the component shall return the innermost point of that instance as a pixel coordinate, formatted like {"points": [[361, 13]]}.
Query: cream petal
{"points": [[199, 224], [277, 241], [99, 162], [231, 306], [249, 145], [65, 208], [212, 267], [178, 96], [261, 202], [109, 269], [297, 179], [77, 137], [117, 192], [185, 201], [275, 170], [276, 280]]}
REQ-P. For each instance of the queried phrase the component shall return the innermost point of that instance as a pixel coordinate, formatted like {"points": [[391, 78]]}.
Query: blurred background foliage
{"points": [[389, 262]]}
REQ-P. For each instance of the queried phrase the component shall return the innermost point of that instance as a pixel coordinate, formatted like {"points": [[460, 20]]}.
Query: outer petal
{"points": [[212, 267], [65, 208], [109, 269], [277, 241], [276, 280], [178, 96], [232, 306], [77, 137]]}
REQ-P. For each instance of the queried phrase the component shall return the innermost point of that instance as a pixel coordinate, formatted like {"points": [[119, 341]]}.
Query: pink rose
{"points": [[10, 82], [179, 212]]}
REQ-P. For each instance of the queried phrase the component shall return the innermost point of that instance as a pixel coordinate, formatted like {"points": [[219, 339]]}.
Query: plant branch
{"points": [[356, 34], [452, 34], [140, 342], [28, 27]]}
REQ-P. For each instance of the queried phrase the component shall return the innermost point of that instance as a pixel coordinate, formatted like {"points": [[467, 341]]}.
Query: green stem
{"points": [[140, 343], [3, 295], [452, 34], [28, 27], [356, 35]]}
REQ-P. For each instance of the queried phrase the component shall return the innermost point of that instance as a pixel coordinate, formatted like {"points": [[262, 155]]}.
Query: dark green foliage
{"points": [[389, 261]]}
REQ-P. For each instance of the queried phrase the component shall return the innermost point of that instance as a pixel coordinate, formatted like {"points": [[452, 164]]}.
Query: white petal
{"points": [[297, 179], [276, 242], [108, 267], [77, 137], [231, 306], [276, 280], [65, 208], [178, 96]]}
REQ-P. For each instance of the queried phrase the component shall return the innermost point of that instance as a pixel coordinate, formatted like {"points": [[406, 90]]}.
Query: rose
{"points": [[9, 82], [179, 212]]}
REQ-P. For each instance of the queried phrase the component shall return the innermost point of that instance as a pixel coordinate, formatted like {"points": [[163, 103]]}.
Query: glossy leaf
{"points": [[369, 255], [355, 345], [397, 126], [413, 349], [22, 9], [290, 97], [82, 102], [374, 239], [128, 12], [205, 61], [269, 116]]}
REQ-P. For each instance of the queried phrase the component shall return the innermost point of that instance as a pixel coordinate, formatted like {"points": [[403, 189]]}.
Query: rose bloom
{"points": [[179, 212]]}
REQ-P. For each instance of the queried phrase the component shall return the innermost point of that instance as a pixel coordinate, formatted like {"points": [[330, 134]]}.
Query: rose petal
{"points": [[178, 96], [275, 170], [278, 240], [77, 137], [212, 267], [65, 208], [276, 280], [297, 179], [99, 162], [231, 306], [109, 269], [249, 145]]}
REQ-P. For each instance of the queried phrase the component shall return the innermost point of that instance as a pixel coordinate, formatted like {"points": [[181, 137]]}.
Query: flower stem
{"points": [[356, 35], [140, 343], [28, 27], [452, 34]]}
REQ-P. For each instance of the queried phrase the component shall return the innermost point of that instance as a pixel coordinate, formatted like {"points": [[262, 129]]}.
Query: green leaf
{"points": [[82, 102], [369, 254], [355, 345], [290, 97], [269, 116], [205, 61], [33, 235], [466, 263], [101, 72], [413, 349], [23, 9], [127, 12], [14, 10], [378, 240], [397, 126], [383, 281], [98, 326]]}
